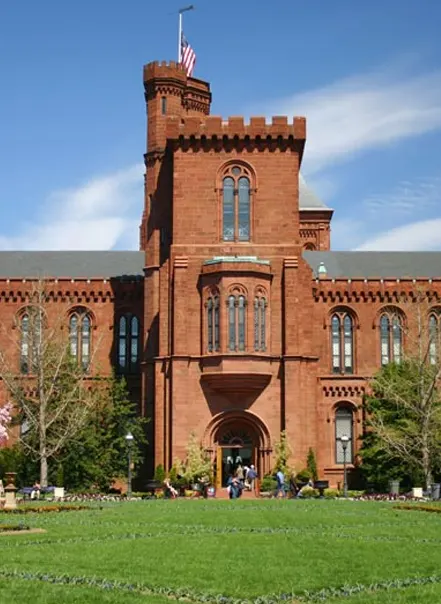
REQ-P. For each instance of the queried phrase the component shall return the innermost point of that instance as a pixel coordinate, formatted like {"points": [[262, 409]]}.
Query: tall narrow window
{"points": [[343, 427], [391, 338], [236, 204], [342, 343], [260, 323], [236, 307], [384, 340], [164, 105], [31, 339], [244, 209], [232, 323], [241, 323], [212, 306], [80, 328], [434, 339], [128, 343], [24, 344], [228, 209]]}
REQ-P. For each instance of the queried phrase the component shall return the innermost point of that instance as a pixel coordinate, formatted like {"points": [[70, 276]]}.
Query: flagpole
{"points": [[180, 37], [182, 10]]}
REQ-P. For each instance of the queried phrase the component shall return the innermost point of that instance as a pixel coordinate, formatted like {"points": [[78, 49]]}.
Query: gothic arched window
{"points": [[236, 323], [24, 343], [80, 328], [344, 426], [391, 337], [30, 339], [260, 305], [342, 334], [213, 336], [236, 204], [128, 343], [434, 338]]}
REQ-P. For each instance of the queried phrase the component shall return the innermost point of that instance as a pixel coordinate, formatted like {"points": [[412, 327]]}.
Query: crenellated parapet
{"points": [[235, 127], [168, 78]]}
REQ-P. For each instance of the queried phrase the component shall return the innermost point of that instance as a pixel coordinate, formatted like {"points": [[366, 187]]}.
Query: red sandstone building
{"points": [[234, 320]]}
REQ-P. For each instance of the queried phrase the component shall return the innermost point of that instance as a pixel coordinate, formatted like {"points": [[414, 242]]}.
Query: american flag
{"points": [[188, 56]]}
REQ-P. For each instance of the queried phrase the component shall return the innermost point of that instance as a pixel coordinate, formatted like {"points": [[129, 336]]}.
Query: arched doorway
{"points": [[236, 439]]}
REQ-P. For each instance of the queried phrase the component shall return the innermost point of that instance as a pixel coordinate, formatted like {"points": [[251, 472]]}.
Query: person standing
{"points": [[280, 478], [251, 477]]}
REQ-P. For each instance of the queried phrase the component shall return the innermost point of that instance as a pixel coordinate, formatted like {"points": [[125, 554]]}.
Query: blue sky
{"points": [[72, 115]]}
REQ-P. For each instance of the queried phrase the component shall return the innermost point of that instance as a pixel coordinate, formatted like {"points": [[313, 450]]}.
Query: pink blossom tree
{"points": [[5, 419]]}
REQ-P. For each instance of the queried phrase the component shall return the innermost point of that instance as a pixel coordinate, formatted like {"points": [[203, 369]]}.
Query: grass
{"points": [[162, 551]]}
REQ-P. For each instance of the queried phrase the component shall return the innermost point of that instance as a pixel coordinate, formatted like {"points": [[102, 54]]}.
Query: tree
{"points": [[404, 407], [98, 454], [51, 394], [5, 420], [283, 453], [197, 463], [311, 464]]}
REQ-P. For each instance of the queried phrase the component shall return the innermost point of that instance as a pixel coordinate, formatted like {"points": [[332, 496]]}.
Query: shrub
{"points": [[311, 464], [60, 476], [268, 484], [355, 494], [304, 475], [308, 492], [160, 473], [331, 493]]}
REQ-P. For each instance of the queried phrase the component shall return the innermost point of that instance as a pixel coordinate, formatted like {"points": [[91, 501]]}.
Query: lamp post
{"points": [[129, 441], [344, 443]]}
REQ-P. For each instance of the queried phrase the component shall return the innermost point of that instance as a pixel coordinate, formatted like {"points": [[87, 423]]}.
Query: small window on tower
{"points": [[164, 105]]}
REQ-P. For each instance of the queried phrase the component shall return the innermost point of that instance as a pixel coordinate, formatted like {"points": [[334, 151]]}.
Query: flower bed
{"points": [[43, 509], [419, 508], [13, 527]]}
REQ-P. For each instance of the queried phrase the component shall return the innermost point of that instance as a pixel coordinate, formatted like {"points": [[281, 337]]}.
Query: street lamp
{"points": [[344, 443], [129, 440]]}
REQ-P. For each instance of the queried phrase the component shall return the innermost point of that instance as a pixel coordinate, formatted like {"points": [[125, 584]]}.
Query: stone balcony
{"points": [[236, 372]]}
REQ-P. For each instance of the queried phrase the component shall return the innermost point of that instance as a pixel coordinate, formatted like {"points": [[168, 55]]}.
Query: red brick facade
{"points": [[243, 334]]}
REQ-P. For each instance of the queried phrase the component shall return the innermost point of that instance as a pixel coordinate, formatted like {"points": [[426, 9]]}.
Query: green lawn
{"points": [[197, 551]]}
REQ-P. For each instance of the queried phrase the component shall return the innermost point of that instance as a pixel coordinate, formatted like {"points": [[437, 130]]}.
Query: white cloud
{"points": [[361, 113], [424, 235], [99, 215]]}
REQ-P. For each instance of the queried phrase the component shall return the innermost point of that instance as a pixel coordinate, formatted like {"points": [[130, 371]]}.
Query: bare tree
{"points": [[405, 406], [49, 390]]}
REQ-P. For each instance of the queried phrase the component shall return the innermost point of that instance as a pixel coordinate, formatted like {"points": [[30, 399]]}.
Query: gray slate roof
{"points": [[381, 265], [107, 265], [74, 265], [308, 200]]}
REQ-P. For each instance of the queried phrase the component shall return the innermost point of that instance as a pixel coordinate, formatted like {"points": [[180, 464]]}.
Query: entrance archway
{"points": [[238, 438]]}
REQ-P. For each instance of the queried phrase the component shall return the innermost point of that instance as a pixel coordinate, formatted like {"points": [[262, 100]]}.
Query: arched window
{"points": [[30, 339], [128, 343], [260, 305], [391, 338], [434, 338], [80, 327], [24, 343], [344, 421], [342, 335], [236, 204], [236, 323], [213, 341]]}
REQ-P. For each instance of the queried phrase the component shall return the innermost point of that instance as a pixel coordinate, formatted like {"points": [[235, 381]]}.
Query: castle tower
{"points": [[227, 331]]}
